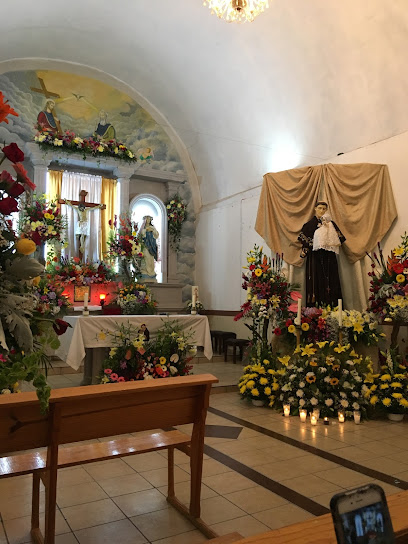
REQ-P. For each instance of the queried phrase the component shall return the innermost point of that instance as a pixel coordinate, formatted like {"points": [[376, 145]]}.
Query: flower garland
{"points": [[176, 216], [389, 284], [42, 221], [72, 143], [136, 299], [72, 271], [132, 357]]}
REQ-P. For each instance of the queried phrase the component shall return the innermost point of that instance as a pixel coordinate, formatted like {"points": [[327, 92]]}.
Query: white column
{"points": [[124, 173], [40, 162]]}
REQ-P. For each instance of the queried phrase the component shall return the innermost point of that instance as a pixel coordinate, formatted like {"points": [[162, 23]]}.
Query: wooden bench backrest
{"points": [[84, 413]]}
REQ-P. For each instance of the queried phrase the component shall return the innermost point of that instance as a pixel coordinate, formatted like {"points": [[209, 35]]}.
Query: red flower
{"points": [[13, 153], [36, 237], [5, 176], [15, 190], [22, 175], [398, 268], [288, 323], [60, 326], [277, 331], [8, 205], [5, 109]]}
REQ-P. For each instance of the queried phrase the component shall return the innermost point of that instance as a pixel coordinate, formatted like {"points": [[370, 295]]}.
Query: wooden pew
{"points": [[320, 530], [83, 413]]}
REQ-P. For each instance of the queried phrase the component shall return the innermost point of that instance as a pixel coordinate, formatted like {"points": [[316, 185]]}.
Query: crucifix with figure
{"points": [[82, 207]]}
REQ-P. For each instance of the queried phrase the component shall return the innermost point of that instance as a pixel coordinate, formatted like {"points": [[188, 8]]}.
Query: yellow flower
{"points": [[268, 391], [25, 246], [251, 259], [386, 401], [340, 348], [284, 360], [312, 363], [404, 403], [334, 381], [263, 301], [258, 272], [322, 344], [385, 378], [374, 399], [242, 389], [265, 362], [271, 371], [250, 384], [400, 278], [308, 350], [353, 353], [311, 379], [373, 387], [101, 149], [263, 381], [396, 384], [292, 329], [162, 360], [305, 326], [36, 281], [358, 327], [384, 386], [255, 392], [102, 336], [275, 386], [397, 395], [398, 251]]}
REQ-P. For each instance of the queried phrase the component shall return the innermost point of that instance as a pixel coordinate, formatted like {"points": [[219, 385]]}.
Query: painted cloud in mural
{"points": [[78, 104]]}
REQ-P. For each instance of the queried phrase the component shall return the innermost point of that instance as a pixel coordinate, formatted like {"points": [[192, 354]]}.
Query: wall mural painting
{"points": [[54, 102]]}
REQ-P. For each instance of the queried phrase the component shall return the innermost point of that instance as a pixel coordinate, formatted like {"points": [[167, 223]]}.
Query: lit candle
{"points": [[357, 417], [316, 413], [340, 305], [313, 419], [326, 421], [286, 410], [298, 319], [303, 415], [341, 416], [102, 296]]}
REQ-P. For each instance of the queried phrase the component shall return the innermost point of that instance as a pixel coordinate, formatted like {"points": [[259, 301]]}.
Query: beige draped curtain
{"points": [[360, 200], [54, 183], [108, 197]]}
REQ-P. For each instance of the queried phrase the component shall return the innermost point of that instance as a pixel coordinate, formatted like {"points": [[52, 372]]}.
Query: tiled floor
{"points": [[261, 480]]}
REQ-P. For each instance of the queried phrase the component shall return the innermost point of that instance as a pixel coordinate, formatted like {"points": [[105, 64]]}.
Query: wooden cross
{"points": [[82, 204], [48, 94]]}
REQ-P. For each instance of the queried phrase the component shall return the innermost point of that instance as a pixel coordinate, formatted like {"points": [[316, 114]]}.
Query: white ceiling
{"points": [[307, 80]]}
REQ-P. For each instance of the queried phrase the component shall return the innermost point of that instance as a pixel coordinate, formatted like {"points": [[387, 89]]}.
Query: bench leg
{"points": [[170, 470], [35, 509], [225, 352], [50, 480], [234, 354]]}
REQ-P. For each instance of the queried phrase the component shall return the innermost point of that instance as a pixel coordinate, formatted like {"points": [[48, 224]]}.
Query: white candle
{"points": [[313, 419], [340, 305], [85, 301], [341, 416], [286, 410], [194, 295], [357, 417], [303, 415], [316, 413], [298, 319]]}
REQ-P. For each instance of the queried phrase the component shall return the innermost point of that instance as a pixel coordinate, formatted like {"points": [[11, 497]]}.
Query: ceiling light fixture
{"points": [[237, 11]]}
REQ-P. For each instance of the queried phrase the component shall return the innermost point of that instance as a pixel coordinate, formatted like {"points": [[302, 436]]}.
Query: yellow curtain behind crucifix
{"points": [[108, 197], [54, 183]]}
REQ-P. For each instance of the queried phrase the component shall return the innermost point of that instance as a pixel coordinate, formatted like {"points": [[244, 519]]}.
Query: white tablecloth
{"points": [[85, 331]]}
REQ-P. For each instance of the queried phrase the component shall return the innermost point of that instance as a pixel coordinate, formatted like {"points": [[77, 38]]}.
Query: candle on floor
{"points": [[341, 416], [313, 419], [316, 413], [326, 421], [357, 417], [286, 410], [303, 415]]}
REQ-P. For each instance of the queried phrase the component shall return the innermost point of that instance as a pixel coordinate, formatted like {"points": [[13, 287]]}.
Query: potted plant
{"points": [[259, 383], [388, 390]]}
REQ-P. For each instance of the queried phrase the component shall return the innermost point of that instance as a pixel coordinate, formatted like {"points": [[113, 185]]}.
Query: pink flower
{"points": [[120, 379], [108, 371], [114, 377]]}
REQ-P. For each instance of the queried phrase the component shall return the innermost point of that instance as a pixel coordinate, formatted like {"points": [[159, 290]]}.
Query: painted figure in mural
{"points": [[47, 119], [321, 239], [104, 130], [150, 253]]}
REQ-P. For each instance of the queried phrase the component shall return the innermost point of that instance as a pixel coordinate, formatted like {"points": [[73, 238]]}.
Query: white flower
{"points": [[358, 379], [310, 374], [173, 370], [291, 399], [327, 379], [302, 384], [174, 358], [299, 393], [343, 395], [328, 402], [345, 371], [314, 401], [355, 394], [346, 385], [322, 369], [302, 402], [148, 377], [292, 377], [344, 403], [356, 406], [5, 392], [286, 387]]}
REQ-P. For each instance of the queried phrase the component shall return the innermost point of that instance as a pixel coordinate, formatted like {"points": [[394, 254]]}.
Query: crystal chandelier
{"points": [[237, 11]]}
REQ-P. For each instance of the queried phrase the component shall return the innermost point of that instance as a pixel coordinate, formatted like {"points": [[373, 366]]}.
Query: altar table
{"points": [[86, 329]]}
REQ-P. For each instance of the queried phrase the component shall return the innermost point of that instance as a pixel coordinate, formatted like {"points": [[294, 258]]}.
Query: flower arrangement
{"points": [[71, 271], [319, 324], [260, 382], [50, 300], [176, 215], [389, 284], [198, 306], [133, 358], [42, 221], [328, 376], [136, 299], [388, 390], [125, 243], [72, 143]]}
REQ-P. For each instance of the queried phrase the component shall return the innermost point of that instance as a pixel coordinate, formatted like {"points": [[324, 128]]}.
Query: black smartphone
{"points": [[361, 516]]}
